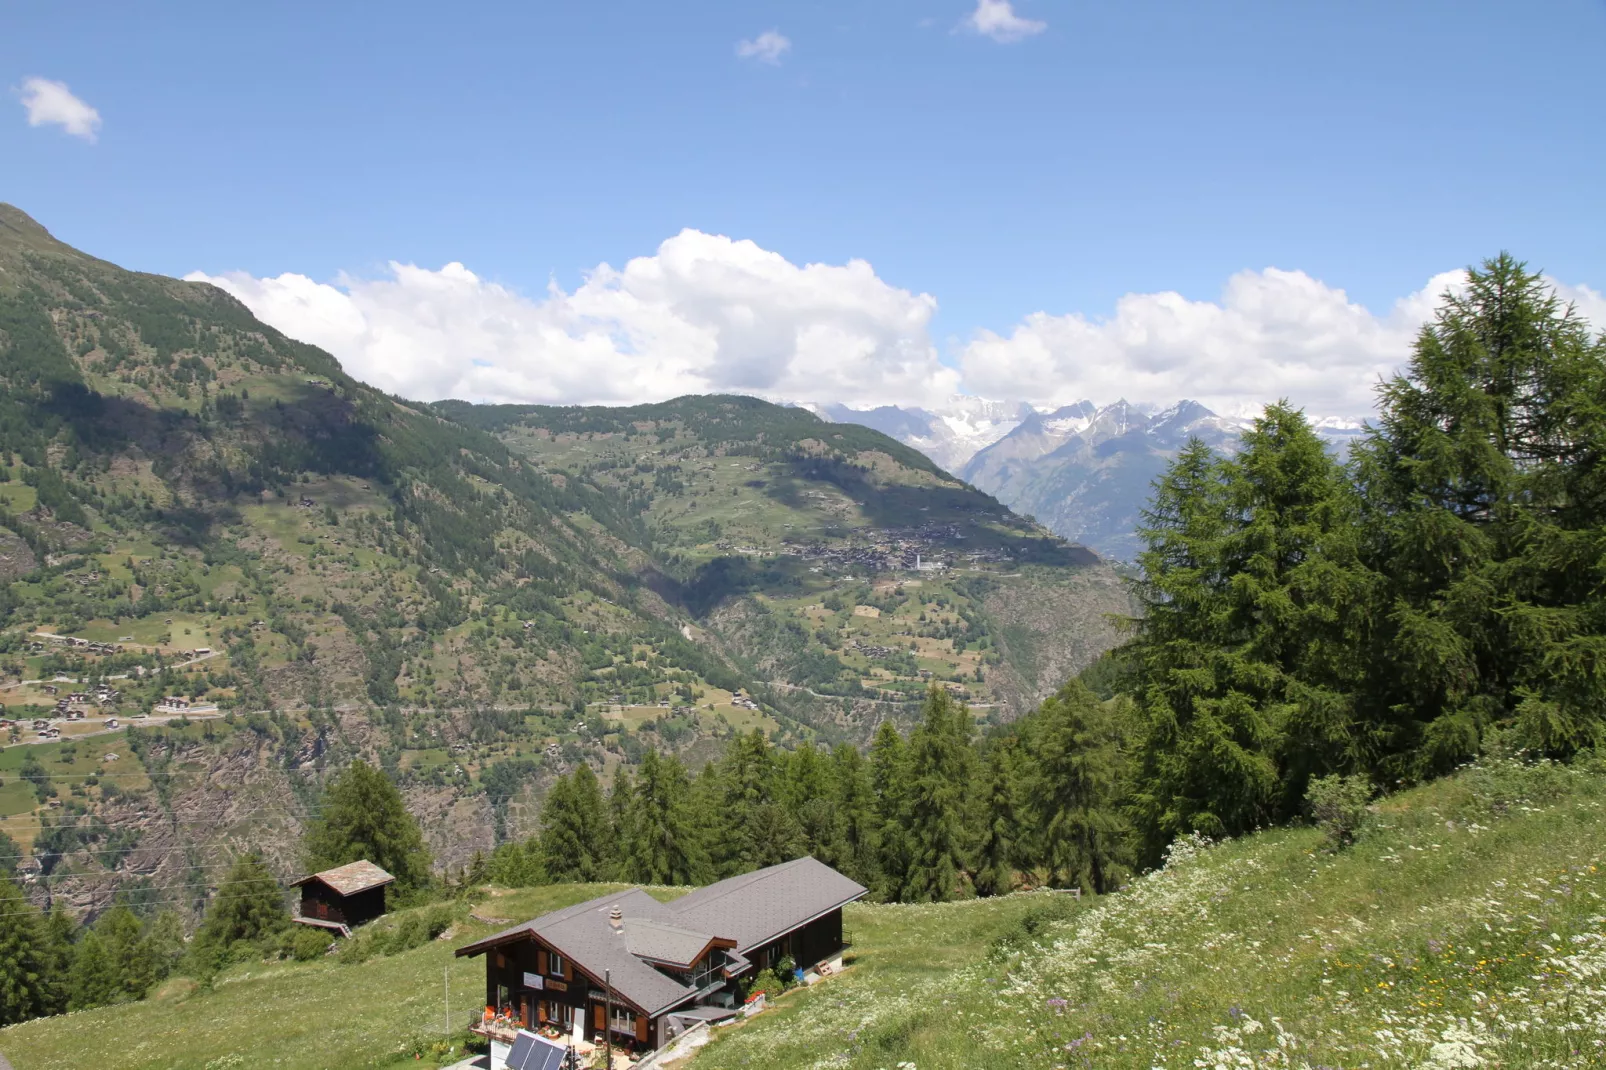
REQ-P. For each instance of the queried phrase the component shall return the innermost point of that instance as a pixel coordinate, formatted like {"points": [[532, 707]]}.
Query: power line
{"points": [[158, 902]]}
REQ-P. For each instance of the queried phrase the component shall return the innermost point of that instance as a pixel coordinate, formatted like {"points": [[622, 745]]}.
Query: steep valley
{"points": [[227, 568]]}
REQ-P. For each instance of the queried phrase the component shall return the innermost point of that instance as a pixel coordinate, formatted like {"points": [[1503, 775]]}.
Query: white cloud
{"points": [[703, 314], [997, 19], [1273, 334], [52, 102], [767, 47]]}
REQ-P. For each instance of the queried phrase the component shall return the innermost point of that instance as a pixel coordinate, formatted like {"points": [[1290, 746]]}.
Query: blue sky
{"points": [[1120, 149]]}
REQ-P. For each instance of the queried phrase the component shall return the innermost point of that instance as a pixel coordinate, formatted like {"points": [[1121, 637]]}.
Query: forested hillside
{"points": [[210, 532]]}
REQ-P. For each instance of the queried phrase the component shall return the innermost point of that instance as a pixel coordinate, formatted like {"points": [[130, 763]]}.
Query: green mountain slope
{"points": [[795, 542], [1465, 925], [475, 597]]}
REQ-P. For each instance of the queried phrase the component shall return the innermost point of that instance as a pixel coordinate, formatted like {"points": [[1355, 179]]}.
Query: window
{"points": [[559, 1013], [554, 964], [624, 1021]]}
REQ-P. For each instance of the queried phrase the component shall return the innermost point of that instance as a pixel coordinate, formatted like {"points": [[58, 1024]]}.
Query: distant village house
{"points": [[343, 898]]}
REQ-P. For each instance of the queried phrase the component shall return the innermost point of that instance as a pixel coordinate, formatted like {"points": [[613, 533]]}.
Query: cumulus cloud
{"points": [[767, 47], [997, 19], [1272, 334], [703, 314], [52, 102]]}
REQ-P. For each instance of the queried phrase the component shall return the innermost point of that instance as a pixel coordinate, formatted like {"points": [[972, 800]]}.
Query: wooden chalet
{"points": [[344, 897], [636, 971]]}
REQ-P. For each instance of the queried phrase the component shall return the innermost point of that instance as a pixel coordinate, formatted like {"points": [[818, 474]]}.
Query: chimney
{"points": [[616, 917]]}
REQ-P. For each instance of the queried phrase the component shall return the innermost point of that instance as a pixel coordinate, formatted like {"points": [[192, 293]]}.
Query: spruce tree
{"points": [[622, 823], [249, 906], [749, 774], [363, 817], [27, 987], [856, 807], [95, 980], [1248, 651]]}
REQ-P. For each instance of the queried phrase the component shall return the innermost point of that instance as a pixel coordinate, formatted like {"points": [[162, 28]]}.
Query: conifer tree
{"points": [[888, 773], [1246, 656], [749, 774], [997, 852], [27, 987], [856, 807], [938, 770], [95, 981], [248, 906], [664, 848], [363, 817], [574, 828], [1484, 510], [621, 823], [1078, 786]]}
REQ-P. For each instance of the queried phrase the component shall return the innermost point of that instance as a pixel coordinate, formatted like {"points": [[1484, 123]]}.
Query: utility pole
{"points": [[607, 1020], [446, 989]]}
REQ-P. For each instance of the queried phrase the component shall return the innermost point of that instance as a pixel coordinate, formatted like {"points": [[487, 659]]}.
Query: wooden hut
{"points": [[344, 897]]}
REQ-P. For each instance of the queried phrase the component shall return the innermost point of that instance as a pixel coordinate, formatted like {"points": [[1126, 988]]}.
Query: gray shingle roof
{"points": [[351, 878], [583, 935], [756, 907], [670, 944], [751, 910]]}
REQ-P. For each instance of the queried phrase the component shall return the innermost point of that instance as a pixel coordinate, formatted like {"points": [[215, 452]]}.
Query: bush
{"points": [[1339, 806], [307, 943], [769, 983], [408, 933]]}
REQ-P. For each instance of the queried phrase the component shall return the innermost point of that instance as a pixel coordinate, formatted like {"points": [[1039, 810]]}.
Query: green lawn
{"points": [[297, 1016]]}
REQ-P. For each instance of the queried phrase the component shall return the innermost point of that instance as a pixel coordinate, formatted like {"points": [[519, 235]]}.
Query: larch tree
{"points": [[938, 772], [1077, 784], [363, 817], [1484, 491], [574, 828], [28, 987]]}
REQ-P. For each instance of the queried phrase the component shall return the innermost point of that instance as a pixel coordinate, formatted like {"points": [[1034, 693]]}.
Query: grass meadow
{"points": [[1465, 929]]}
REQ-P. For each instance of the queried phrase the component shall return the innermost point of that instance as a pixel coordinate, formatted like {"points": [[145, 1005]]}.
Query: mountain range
{"points": [[1084, 471], [207, 523]]}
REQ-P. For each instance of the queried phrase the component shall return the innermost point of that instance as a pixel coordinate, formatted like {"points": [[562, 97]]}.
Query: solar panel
{"points": [[531, 1052]]}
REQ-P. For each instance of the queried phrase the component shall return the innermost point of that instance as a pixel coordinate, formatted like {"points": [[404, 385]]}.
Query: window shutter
{"points": [[599, 1015], [641, 1028], [540, 1012], [540, 961], [568, 970]]}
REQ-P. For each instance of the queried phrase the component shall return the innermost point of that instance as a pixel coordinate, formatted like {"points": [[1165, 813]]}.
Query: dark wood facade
{"points": [[808, 945], [323, 903], [543, 988]]}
